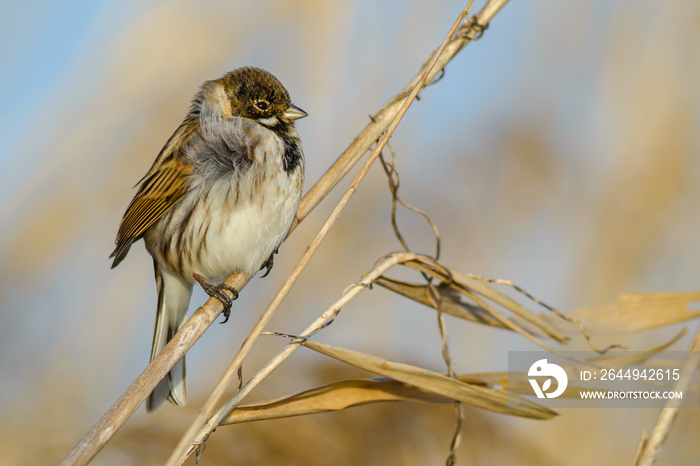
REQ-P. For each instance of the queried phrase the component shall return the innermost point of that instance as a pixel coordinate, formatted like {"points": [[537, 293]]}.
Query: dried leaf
{"points": [[477, 286], [448, 301], [476, 395], [639, 312], [468, 285], [624, 359], [333, 397], [518, 381]]}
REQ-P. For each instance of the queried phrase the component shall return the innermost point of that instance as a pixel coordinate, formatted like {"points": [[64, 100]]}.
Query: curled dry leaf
{"points": [[448, 301], [468, 286], [632, 313], [454, 302], [470, 393], [484, 289]]}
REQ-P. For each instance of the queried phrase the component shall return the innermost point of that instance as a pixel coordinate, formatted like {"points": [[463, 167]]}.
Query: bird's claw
{"points": [[217, 291], [268, 264]]}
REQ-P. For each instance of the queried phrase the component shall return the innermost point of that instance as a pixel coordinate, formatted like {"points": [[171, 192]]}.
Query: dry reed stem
{"points": [[179, 455], [328, 315], [383, 117], [650, 447], [105, 428]]}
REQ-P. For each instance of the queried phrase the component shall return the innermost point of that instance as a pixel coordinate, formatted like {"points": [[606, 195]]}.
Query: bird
{"points": [[220, 198]]}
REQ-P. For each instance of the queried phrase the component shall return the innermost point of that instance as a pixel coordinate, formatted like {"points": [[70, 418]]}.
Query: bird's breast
{"points": [[252, 210], [240, 203]]}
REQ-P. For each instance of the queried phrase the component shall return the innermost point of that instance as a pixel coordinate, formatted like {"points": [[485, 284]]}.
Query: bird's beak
{"points": [[294, 113]]}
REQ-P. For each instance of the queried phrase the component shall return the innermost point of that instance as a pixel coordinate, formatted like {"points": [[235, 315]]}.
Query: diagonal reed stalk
{"points": [[650, 447], [179, 455], [323, 320], [105, 428]]}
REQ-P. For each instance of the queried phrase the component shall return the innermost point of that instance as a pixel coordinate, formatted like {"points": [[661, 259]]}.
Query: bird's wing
{"points": [[159, 190]]}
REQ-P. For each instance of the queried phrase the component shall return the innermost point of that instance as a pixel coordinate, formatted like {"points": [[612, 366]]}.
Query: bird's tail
{"points": [[173, 301]]}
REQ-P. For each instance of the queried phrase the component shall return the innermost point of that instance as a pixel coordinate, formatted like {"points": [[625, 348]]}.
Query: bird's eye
{"points": [[262, 105]]}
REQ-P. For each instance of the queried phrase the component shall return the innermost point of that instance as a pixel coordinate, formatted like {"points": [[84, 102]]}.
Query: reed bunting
{"points": [[219, 198]]}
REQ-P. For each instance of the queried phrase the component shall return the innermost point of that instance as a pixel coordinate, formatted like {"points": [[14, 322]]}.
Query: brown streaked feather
{"points": [[158, 193], [161, 188]]}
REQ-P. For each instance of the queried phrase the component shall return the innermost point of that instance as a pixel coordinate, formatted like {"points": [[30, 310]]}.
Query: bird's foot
{"points": [[218, 292], [268, 264]]}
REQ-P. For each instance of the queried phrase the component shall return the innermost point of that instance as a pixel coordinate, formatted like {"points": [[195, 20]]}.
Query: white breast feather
{"points": [[246, 229]]}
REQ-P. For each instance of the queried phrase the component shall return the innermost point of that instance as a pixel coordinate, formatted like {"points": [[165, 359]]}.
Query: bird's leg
{"points": [[217, 291], [268, 265]]}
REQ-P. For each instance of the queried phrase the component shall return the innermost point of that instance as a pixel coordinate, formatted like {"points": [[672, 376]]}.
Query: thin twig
{"points": [[394, 182], [459, 409]]}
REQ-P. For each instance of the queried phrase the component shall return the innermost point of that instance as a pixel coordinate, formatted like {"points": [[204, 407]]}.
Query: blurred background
{"points": [[560, 152]]}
